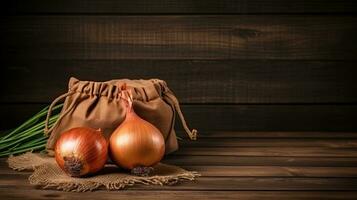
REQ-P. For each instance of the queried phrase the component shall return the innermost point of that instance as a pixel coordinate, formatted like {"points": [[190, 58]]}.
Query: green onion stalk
{"points": [[30, 135]]}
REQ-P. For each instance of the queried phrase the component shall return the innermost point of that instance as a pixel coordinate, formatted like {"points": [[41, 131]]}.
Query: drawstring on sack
{"points": [[192, 134], [54, 102]]}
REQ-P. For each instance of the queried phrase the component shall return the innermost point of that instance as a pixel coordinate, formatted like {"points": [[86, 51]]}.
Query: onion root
{"points": [[73, 165], [142, 171]]}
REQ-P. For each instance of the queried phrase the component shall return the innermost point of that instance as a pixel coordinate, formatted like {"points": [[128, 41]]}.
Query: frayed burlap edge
{"points": [[26, 161], [37, 179], [49, 176]]}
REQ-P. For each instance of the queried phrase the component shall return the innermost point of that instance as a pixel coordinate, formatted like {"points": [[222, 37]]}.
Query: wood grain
{"points": [[234, 117], [335, 142], [273, 171], [221, 160], [230, 184], [312, 172], [193, 81], [244, 171], [333, 135], [288, 37], [252, 171], [179, 6], [31, 193], [270, 151], [271, 67], [271, 117]]}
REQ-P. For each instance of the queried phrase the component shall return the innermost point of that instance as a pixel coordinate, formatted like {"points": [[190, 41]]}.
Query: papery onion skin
{"points": [[81, 151], [136, 143]]}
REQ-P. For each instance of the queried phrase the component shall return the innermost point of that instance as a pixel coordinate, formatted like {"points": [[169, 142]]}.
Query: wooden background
{"points": [[269, 84], [236, 65]]}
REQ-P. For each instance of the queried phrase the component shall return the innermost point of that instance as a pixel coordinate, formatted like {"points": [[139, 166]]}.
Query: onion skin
{"points": [[81, 151], [136, 143]]}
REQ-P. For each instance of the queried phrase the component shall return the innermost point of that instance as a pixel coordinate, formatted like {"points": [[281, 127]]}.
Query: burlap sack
{"points": [[47, 174], [97, 105]]}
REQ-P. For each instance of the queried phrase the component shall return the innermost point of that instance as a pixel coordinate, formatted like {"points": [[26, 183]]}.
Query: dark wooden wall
{"points": [[235, 65]]}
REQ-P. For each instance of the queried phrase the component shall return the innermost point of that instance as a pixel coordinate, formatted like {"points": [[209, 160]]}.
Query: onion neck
{"points": [[130, 113], [128, 98]]}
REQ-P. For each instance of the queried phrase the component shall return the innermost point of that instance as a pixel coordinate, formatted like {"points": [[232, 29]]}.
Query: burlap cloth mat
{"points": [[47, 174]]}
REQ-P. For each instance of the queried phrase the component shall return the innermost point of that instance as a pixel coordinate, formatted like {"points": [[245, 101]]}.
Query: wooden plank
{"points": [[273, 184], [288, 37], [270, 151], [193, 81], [271, 117], [234, 117], [219, 160], [179, 6], [270, 142], [16, 184], [32, 193], [17, 181], [243, 171], [223, 160], [246, 171], [252, 171], [215, 160], [230, 184], [276, 134], [273, 171]]}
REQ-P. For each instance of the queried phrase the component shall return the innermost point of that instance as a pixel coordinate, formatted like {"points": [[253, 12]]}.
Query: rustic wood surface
{"points": [[243, 117], [240, 68], [236, 165], [258, 65], [206, 81], [256, 72], [212, 37], [179, 6]]}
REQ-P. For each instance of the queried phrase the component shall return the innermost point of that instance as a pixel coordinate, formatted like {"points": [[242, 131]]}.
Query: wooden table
{"points": [[236, 165]]}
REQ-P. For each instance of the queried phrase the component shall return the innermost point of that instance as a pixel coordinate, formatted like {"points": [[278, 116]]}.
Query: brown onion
{"points": [[81, 151], [136, 143]]}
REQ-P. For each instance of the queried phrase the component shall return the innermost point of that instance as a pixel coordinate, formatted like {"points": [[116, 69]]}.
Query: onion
{"points": [[81, 151], [136, 144]]}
